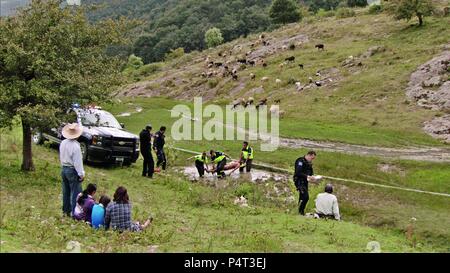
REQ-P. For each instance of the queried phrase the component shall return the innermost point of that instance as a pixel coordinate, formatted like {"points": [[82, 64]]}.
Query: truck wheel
{"points": [[84, 151], [37, 138]]}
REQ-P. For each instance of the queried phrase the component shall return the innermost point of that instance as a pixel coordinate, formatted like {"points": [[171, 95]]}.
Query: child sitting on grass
{"points": [[85, 202], [118, 213], [98, 212]]}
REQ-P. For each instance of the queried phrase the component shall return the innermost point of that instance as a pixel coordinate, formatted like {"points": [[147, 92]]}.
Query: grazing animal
{"points": [[220, 54], [318, 83], [290, 59], [249, 102], [299, 87], [264, 64], [301, 66], [252, 76], [292, 47], [277, 81], [203, 75], [251, 62], [226, 67], [262, 36], [264, 79], [320, 46], [265, 43], [252, 45], [284, 47], [242, 61], [277, 101], [234, 71], [235, 77], [261, 103], [310, 79], [318, 73], [218, 64], [281, 65]]}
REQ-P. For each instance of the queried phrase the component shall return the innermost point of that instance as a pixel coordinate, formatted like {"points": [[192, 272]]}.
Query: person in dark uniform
{"points": [[145, 139], [201, 161], [246, 157], [158, 146], [220, 159], [304, 174]]}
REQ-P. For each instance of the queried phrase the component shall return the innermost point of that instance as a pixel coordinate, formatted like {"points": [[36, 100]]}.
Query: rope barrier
{"points": [[277, 169]]}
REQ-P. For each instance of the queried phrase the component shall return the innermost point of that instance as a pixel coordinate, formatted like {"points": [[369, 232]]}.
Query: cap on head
{"points": [[329, 188]]}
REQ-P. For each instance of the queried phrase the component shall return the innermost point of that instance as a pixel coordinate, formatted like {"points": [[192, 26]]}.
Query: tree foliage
{"points": [[51, 57], [407, 9], [174, 24], [357, 3], [213, 37], [284, 12]]}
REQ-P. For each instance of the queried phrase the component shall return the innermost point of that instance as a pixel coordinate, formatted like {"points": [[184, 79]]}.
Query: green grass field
{"points": [[189, 217]]}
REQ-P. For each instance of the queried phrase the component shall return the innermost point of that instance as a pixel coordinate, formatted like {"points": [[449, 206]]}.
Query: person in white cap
{"points": [[72, 166]]}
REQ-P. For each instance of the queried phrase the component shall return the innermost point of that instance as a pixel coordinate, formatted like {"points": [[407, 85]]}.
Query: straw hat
{"points": [[72, 131]]}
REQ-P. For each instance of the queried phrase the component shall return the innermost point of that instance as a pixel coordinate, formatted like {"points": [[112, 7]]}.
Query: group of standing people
{"points": [[145, 139], [81, 205]]}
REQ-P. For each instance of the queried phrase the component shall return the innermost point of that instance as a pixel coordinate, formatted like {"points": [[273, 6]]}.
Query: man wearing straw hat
{"points": [[72, 166]]}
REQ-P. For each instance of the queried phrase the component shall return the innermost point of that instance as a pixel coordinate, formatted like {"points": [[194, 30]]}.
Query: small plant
{"points": [[213, 83], [174, 54], [325, 13], [375, 9], [344, 13]]}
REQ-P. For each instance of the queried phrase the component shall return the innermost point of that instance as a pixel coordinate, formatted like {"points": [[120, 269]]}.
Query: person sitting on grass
{"points": [[98, 212], [327, 205], [118, 213], [85, 202]]}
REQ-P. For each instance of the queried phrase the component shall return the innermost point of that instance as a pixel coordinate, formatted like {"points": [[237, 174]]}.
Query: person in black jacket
{"points": [[158, 146], [145, 139], [304, 174]]}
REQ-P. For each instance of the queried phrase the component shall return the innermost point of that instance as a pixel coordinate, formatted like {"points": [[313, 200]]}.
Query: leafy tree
{"points": [[213, 37], [134, 62], [51, 57], [315, 5], [357, 3], [407, 9], [284, 12]]}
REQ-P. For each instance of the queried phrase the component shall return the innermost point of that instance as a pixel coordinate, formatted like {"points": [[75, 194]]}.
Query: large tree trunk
{"points": [[27, 160]]}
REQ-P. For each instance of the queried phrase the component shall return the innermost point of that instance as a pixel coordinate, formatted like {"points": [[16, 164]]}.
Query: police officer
{"points": [[246, 157], [158, 146], [220, 159], [304, 173], [201, 161], [145, 138]]}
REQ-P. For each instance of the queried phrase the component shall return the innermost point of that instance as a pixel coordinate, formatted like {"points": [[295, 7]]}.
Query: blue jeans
{"points": [[71, 187]]}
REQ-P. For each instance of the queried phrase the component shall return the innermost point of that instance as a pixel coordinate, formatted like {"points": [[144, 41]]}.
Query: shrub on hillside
{"points": [[344, 13], [149, 69], [325, 13], [375, 9], [356, 3], [174, 54]]}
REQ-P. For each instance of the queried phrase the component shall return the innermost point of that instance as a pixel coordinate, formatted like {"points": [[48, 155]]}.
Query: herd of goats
{"points": [[230, 69]]}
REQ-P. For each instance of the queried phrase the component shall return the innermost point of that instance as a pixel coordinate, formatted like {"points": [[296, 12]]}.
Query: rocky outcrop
{"points": [[429, 87], [439, 128]]}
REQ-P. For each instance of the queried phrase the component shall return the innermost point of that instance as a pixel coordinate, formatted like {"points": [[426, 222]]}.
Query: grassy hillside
{"points": [[188, 216], [363, 105]]}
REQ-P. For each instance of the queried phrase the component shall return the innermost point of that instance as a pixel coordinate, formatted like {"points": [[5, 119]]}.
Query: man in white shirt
{"points": [[72, 166], [327, 205]]}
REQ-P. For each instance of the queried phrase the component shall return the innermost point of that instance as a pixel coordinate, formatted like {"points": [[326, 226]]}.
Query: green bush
{"points": [[174, 54], [149, 69], [213, 83], [325, 13], [375, 9], [344, 13]]}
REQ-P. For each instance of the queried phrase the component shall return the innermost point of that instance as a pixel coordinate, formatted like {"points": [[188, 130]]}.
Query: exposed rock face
{"points": [[439, 128], [429, 87]]}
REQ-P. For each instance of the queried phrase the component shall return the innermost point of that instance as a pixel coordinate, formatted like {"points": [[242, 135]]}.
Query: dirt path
{"points": [[411, 153]]}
